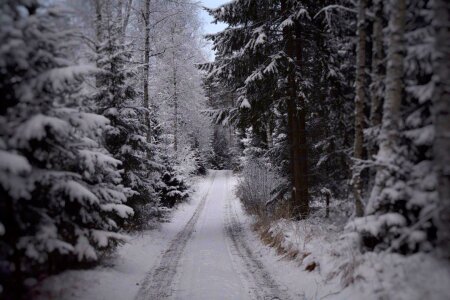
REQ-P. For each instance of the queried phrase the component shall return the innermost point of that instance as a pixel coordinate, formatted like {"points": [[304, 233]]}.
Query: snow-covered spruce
{"points": [[287, 65], [403, 201], [116, 98], [61, 191]]}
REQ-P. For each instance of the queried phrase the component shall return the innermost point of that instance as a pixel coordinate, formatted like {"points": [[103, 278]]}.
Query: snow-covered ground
{"points": [[208, 251], [121, 278], [200, 254], [207, 269], [209, 258], [341, 271]]}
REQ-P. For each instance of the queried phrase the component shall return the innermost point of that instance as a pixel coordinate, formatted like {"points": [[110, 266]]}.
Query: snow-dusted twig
{"points": [[335, 6], [364, 163]]}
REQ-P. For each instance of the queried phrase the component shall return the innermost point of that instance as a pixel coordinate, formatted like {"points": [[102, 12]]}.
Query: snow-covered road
{"points": [[207, 251], [208, 258]]}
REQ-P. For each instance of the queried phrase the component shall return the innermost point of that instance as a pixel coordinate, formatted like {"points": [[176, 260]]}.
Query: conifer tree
{"points": [[61, 191], [283, 61], [403, 200], [117, 99], [259, 82]]}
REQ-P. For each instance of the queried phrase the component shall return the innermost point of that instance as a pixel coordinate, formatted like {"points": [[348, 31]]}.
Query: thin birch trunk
{"points": [[126, 18], [389, 133], [146, 67], [175, 97], [123, 17]]}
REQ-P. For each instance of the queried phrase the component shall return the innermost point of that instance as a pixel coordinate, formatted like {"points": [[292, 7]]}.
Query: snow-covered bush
{"points": [[257, 184], [173, 188], [61, 191], [186, 163], [201, 162]]}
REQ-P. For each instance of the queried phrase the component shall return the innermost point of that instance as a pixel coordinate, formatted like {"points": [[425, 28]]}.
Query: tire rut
{"points": [[157, 284], [262, 285]]}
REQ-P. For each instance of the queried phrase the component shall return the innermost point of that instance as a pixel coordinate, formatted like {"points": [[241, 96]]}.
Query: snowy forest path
{"points": [[209, 258], [157, 285]]}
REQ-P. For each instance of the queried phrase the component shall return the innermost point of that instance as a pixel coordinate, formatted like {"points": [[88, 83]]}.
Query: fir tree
{"points": [[403, 200], [117, 99], [283, 61], [61, 191]]}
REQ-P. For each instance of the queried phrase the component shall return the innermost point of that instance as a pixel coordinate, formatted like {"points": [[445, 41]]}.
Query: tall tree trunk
{"points": [[175, 98], [119, 20], [389, 133], [123, 16], [296, 125], [98, 34], [360, 99], [291, 111], [126, 17], [146, 67], [441, 114], [98, 20], [300, 132], [175, 122], [377, 71]]}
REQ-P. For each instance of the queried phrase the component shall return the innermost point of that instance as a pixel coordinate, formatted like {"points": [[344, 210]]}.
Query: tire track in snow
{"points": [[262, 285], [157, 284]]}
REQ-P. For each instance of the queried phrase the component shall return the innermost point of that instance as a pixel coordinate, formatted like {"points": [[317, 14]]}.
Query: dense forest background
{"points": [[345, 100]]}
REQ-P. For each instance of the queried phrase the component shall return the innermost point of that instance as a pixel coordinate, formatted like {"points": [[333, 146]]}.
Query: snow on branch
{"points": [[121, 210], [335, 6], [59, 78], [14, 163], [75, 191], [36, 128], [102, 237]]}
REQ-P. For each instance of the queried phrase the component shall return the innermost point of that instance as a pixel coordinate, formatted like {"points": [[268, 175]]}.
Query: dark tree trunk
{"points": [[296, 125], [302, 148]]}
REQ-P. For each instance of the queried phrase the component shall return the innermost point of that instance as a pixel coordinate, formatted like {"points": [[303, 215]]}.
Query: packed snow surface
{"points": [[201, 254]]}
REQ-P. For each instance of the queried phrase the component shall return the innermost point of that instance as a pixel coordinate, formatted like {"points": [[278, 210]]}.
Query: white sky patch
{"points": [[208, 27]]}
